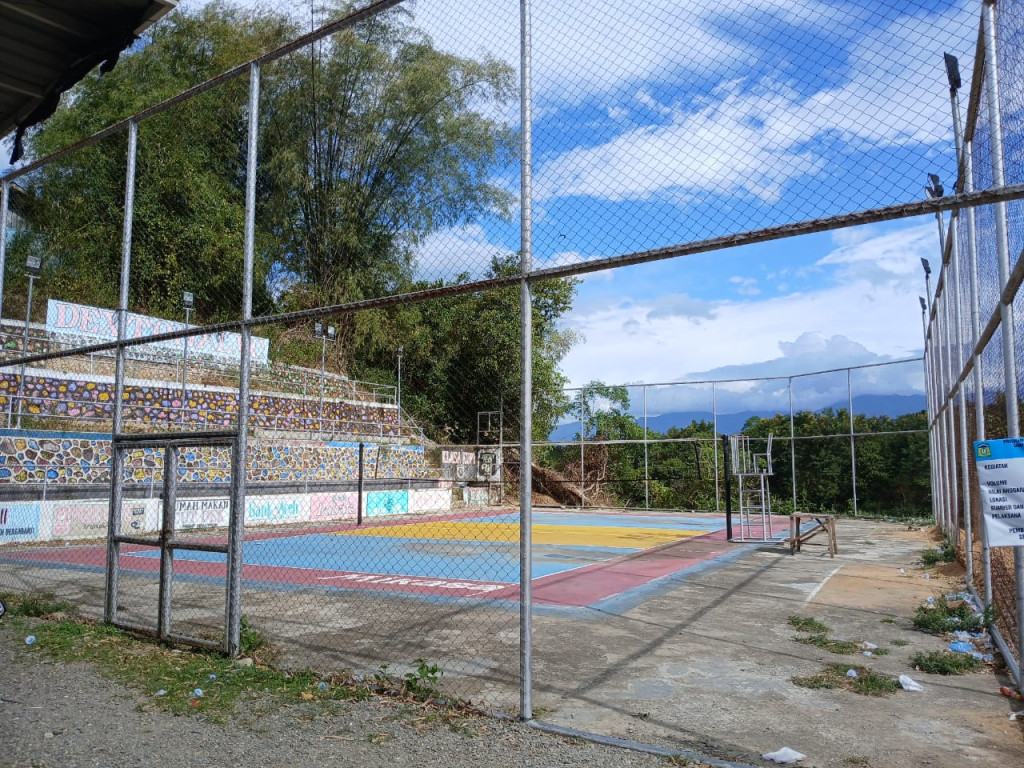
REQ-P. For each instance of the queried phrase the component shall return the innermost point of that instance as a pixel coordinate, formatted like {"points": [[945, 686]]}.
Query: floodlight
{"points": [[332, 333], [927, 266], [188, 300], [924, 304], [33, 265], [952, 71], [935, 188], [318, 330]]}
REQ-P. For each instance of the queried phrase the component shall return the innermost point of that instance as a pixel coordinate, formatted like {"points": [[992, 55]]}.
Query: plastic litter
{"points": [[1012, 693], [198, 693], [961, 647], [869, 646], [867, 653], [927, 575], [962, 636], [213, 677], [1016, 715], [161, 692], [322, 686], [30, 640], [931, 600], [784, 756], [903, 570], [851, 673], [907, 683]]}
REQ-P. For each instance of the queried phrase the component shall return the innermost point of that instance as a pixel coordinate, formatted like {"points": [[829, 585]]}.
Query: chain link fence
{"points": [[257, 335], [972, 356]]}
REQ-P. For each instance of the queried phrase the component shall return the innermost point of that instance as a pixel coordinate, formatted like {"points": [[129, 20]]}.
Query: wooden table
{"points": [[823, 524]]}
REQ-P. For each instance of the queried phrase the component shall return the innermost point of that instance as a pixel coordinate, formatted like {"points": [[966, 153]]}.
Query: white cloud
{"points": [[865, 311], [450, 252]]}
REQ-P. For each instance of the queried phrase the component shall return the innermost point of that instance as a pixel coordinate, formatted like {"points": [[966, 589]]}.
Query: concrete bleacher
{"points": [[77, 393]]}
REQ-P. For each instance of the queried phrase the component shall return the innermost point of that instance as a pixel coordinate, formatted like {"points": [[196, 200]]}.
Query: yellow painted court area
{"points": [[564, 535]]}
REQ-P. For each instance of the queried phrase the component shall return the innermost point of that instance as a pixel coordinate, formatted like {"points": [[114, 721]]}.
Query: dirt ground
{"points": [[701, 661]]}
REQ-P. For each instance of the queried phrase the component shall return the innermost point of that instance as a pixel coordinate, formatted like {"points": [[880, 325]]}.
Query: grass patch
{"points": [[807, 624], [180, 680], [833, 676], [946, 663], [36, 605], [899, 643], [888, 620], [944, 553], [832, 646], [880, 651], [940, 617]]}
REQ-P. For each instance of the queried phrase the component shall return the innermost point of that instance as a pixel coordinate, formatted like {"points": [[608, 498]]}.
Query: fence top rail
{"points": [[762, 378]]}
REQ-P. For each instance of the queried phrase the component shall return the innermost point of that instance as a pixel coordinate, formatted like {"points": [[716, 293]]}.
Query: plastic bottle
{"points": [[1012, 693], [30, 640]]}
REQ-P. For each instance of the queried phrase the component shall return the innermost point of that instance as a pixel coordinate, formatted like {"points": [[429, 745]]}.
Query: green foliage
{"points": [[35, 605], [843, 647], [379, 141], [945, 663], [940, 617], [806, 624], [944, 553], [866, 683], [421, 683]]}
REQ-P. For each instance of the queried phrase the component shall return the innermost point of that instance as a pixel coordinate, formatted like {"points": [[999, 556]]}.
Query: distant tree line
{"points": [[892, 464]]}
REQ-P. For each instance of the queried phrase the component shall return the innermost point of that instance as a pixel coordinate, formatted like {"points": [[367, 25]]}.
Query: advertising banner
{"points": [[101, 324], [19, 522]]}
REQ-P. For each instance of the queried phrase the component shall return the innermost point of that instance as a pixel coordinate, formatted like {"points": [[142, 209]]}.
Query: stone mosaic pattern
{"points": [[81, 460], [89, 400]]}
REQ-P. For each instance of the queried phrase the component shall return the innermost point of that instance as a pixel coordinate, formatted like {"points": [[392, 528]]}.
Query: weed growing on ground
{"points": [[38, 605], [880, 651], [867, 683], [944, 553], [940, 617], [807, 624], [185, 680], [899, 643], [945, 663], [888, 620], [832, 646]]}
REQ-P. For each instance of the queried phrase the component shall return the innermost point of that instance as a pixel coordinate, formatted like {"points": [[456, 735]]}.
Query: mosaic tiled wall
{"points": [[91, 400], [82, 459]]}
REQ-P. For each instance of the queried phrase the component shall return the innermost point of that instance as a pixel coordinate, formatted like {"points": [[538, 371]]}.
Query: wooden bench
{"points": [[823, 524]]}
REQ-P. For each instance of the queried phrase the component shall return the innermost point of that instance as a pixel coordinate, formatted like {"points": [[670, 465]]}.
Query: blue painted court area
{"points": [[483, 548]]}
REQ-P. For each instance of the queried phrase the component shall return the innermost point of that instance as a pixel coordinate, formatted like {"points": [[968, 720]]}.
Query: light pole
{"points": [[401, 349], [188, 300], [924, 312], [325, 335], [33, 266], [927, 283], [935, 190]]}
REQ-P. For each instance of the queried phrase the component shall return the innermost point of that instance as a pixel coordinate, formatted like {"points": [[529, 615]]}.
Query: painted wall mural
{"points": [[37, 457], [92, 401]]}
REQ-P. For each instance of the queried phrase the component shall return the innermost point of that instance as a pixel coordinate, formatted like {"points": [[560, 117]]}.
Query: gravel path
{"points": [[56, 714]]}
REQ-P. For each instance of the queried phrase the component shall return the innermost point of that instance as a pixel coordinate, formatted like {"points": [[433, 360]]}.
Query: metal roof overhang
{"points": [[48, 46]]}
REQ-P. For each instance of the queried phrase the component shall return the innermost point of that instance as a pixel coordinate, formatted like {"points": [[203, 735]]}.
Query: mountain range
{"points": [[729, 423]]}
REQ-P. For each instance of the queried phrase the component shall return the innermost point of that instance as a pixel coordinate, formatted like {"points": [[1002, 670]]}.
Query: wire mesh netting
{"points": [[361, 195]]}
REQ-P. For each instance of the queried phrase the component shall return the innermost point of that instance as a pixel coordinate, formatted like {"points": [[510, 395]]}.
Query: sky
{"points": [[670, 121]]}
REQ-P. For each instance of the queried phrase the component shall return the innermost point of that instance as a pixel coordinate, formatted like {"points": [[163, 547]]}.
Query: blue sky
{"points": [[666, 122], [669, 121]]}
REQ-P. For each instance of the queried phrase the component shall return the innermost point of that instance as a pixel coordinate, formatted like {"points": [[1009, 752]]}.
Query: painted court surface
{"points": [[579, 559]]}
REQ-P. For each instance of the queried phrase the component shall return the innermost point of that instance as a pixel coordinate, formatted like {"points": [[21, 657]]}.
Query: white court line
{"points": [[817, 589]]}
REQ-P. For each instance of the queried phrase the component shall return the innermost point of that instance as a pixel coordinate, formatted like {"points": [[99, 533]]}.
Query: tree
{"points": [[462, 355], [189, 200], [371, 145]]}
